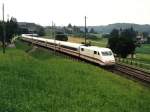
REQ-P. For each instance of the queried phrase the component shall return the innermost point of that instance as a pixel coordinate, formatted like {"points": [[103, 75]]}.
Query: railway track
{"points": [[133, 72], [118, 69]]}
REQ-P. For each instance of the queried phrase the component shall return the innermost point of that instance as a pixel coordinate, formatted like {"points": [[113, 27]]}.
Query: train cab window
{"points": [[95, 52], [107, 53], [82, 49]]}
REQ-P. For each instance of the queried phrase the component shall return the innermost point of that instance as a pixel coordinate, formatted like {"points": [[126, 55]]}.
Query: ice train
{"points": [[100, 55]]}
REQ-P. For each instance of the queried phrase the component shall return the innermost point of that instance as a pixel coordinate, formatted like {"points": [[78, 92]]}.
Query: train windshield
{"points": [[106, 53]]}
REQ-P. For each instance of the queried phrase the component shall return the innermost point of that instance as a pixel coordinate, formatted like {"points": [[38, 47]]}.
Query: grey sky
{"points": [[62, 12]]}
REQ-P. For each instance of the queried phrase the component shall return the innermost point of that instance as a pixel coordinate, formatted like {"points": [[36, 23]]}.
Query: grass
{"points": [[143, 53], [145, 58], [144, 49], [76, 39], [101, 42], [42, 82], [142, 59]]}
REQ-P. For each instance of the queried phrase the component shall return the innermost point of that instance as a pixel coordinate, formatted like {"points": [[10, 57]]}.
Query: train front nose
{"points": [[109, 61]]}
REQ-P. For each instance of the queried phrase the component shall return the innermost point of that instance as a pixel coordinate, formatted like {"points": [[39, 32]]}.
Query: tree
{"points": [[69, 25], [106, 35], [23, 31], [92, 30], [145, 34], [123, 42], [76, 29], [61, 36], [1, 31], [115, 33], [11, 28], [41, 31], [112, 41], [148, 40]]}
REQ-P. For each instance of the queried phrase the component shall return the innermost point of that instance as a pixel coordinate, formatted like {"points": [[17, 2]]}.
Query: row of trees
{"points": [[76, 29], [11, 29], [123, 42]]}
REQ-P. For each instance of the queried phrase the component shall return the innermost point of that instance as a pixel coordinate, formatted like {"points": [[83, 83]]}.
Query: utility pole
{"points": [[52, 30], [53, 35], [4, 32], [85, 31], [55, 38]]}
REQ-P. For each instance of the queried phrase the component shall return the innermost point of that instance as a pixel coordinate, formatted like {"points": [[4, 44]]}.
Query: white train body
{"points": [[104, 55], [100, 55]]}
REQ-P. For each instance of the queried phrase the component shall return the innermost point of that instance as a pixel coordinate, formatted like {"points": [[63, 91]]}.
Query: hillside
{"points": [[43, 82], [108, 28], [32, 27]]}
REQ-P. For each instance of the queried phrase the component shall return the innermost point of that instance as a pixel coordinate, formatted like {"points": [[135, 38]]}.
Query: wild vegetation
{"points": [[41, 81]]}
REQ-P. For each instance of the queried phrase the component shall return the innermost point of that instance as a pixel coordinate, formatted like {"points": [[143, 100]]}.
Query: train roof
{"points": [[70, 44], [74, 45], [95, 48]]}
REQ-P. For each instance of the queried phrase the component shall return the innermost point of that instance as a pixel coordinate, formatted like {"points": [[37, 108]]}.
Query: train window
{"points": [[95, 52], [98, 53], [71, 48], [106, 53], [82, 49]]}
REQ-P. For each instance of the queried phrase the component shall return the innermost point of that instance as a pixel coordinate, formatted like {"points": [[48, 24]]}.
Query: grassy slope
{"points": [[42, 82]]}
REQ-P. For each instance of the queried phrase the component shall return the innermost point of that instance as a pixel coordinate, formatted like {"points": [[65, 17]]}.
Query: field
{"points": [[142, 59], [43, 82], [143, 53], [101, 42], [98, 41]]}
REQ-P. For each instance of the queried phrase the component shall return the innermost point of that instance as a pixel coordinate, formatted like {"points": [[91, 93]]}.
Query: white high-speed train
{"points": [[102, 56]]}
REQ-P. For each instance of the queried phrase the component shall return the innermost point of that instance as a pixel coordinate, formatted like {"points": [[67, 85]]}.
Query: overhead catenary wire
{"points": [[85, 31], [4, 29]]}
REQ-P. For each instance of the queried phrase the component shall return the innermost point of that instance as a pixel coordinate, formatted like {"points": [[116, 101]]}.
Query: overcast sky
{"points": [[62, 12]]}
